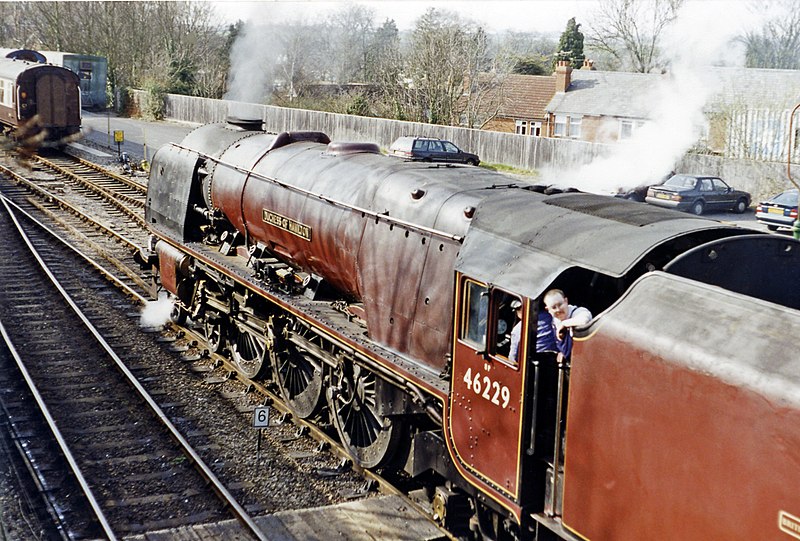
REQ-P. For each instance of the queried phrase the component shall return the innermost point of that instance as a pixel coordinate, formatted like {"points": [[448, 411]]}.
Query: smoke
{"points": [[156, 313], [700, 37], [252, 66], [259, 49]]}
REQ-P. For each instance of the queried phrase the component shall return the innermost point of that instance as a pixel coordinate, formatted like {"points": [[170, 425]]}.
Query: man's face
{"points": [[557, 306]]}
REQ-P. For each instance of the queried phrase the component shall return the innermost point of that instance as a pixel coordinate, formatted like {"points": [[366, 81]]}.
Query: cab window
{"points": [[488, 318], [476, 311], [504, 318]]}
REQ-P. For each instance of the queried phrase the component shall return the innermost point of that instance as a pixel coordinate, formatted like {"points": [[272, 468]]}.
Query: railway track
{"points": [[111, 203], [128, 458], [102, 240]]}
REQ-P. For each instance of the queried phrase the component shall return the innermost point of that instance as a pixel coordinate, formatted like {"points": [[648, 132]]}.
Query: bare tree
{"points": [[385, 69], [300, 62], [171, 44], [630, 30], [527, 53], [444, 52], [777, 44], [352, 28]]}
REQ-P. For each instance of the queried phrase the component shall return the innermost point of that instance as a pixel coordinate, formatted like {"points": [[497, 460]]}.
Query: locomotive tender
{"points": [[375, 294], [37, 98]]}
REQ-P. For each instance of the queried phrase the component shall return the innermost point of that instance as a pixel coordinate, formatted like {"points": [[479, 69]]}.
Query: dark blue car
{"points": [[428, 149], [698, 194], [778, 211]]}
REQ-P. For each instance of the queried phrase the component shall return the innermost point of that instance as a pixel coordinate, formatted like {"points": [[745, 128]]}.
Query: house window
{"points": [[627, 128], [536, 129], [560, 129], [575, 126], [521, 127]]}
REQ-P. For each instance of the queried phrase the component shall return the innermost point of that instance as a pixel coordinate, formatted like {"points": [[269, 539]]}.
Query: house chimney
{"points": [[588, 64], [563, 75]]}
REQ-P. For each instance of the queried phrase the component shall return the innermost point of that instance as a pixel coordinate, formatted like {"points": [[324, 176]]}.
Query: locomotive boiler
{"points": [[376, 294]]}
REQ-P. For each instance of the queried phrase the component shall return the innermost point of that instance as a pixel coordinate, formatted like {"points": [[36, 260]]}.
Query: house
{"points": [[600, 106], [520, 107], [747, 114]]}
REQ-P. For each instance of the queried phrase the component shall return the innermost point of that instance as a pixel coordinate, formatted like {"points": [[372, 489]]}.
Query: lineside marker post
{"points": [[119, 138], [260, 421]]}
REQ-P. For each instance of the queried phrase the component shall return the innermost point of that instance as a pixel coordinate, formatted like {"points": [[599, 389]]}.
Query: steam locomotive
{"points": [[39, 99], [376, 295]]}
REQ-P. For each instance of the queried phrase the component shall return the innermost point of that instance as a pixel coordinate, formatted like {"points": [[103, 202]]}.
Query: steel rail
{"points": [[138, 186], [276, 401], [384, 217], [91, 185], [107, 273], [101, 518], [73, 464], [45, 194], [229, 501]]}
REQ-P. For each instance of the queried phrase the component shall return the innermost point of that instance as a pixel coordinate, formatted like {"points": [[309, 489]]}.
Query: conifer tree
{"points": [[570, 45]]}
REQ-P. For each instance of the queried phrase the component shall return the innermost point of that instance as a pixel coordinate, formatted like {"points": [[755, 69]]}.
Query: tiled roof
{"points": [[526, 96], [632, 95], [608, 93]]}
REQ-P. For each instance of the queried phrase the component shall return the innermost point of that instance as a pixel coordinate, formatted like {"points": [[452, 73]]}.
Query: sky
{"points": [[494, 15]]}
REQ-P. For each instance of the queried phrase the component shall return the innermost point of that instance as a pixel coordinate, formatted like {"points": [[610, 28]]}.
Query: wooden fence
{"points": [[760, 178]]}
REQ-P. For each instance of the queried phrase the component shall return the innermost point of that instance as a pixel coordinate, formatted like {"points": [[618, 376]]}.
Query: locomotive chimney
{"points": [[563, 75]]}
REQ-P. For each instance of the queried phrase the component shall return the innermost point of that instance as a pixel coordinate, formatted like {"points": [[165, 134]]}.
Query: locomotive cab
{"points": [[506, 428]]}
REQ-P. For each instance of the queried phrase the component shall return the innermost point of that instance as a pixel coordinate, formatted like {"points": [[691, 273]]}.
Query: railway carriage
{"points": [[377, 294], [37, 98]]}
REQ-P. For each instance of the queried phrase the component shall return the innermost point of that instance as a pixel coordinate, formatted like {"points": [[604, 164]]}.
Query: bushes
{"points": [[151, 106]]}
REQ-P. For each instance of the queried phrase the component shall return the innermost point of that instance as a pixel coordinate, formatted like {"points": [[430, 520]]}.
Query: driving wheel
{"points": [[357, 406], [215, 332], [297, 373], [248, 350]]}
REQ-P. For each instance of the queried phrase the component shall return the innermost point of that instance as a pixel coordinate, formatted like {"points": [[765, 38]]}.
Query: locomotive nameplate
{"points": [[789, 524], [282, 222]]}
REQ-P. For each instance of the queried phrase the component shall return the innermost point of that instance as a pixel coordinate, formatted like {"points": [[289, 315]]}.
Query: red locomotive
{"points": [[377, 295]]}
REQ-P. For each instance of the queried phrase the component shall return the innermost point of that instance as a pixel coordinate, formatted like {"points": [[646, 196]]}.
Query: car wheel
{"points": [[472, 163], [698, 207], [741, 206], [635, 197], [772, 227]]}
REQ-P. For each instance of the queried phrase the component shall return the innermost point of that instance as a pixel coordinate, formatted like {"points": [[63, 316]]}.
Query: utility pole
{"points": [[796, 225]]}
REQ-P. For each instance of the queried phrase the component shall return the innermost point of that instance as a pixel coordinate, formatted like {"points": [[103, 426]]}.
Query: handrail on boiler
{"points": [[366, 212]]}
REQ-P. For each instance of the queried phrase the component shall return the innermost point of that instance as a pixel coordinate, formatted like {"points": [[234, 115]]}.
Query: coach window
{"points": [[475, 307], [5, 93]]}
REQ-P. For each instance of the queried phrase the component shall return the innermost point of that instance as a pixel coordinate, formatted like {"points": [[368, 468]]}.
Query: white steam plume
{"points": [[699, 37], [156, 313], [252, 64]]}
